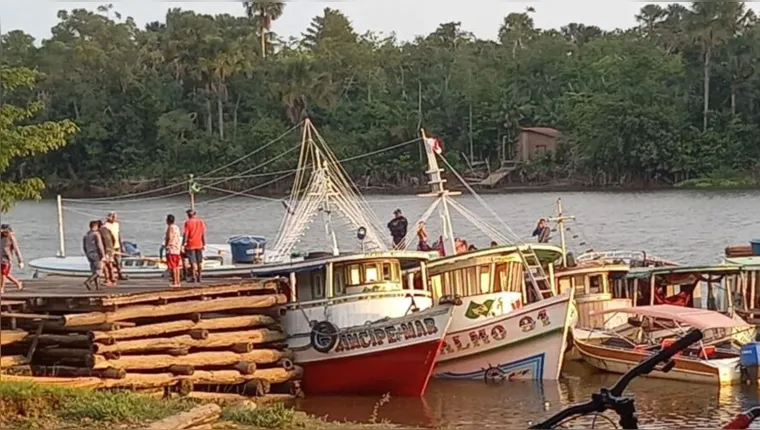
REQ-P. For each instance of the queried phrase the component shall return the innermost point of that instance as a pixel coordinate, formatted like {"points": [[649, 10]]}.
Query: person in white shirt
{"points": [[173, 246], [112, 224]]}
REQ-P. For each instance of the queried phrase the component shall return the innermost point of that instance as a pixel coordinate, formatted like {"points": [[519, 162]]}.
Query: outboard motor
{"points": [[750, 362]]}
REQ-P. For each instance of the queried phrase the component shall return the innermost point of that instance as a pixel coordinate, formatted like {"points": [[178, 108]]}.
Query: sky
{"points": [[406, 18]]}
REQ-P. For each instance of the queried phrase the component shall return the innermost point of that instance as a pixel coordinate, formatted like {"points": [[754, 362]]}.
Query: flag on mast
{"points": [[435, 144]]}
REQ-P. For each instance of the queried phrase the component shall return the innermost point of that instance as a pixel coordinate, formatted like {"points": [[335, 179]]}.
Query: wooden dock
{"points": [[143, 334]]}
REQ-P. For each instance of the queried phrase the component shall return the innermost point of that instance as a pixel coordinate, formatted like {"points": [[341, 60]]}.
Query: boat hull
{"points": [[527, 343], [616, 360], [394, 356]]}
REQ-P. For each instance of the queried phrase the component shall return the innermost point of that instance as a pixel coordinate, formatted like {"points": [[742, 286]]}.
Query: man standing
{"points": [[92, 245], [398, 226], [194, 242], [108, 242], [542, 231], [112, 224], [8, 248], [173, 246]]}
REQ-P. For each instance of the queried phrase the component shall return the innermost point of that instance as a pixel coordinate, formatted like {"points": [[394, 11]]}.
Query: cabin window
{"points": [[387, 272], [340, 285], [370, 273], [354, 274], [317, 287], [485, 279], [595, 284]]}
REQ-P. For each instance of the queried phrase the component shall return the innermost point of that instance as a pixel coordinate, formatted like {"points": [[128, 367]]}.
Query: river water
{"points": [[686, 226]]}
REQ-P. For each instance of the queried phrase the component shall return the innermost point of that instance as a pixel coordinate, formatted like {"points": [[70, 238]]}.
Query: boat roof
{"points": [[545, 252], [745, 262], [648, 272], [310, 264], [700, 318]]}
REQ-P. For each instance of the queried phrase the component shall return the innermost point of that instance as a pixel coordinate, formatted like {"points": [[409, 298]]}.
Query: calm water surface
{"points": [[686, 226]]}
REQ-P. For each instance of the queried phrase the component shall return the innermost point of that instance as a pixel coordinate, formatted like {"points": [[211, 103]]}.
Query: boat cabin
{"points": [[746, 295], [705, 287], [487, 271], [322, 276]]}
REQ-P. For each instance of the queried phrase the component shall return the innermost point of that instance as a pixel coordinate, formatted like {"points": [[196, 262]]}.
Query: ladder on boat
{"points": [[538, 278]]}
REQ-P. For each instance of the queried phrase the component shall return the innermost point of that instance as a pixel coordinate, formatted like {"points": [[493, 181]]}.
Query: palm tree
{"points": [[711, 23], [649, 19], [517, 29], [265, 12]]}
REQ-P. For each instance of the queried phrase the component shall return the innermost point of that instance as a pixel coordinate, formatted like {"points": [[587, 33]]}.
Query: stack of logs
{"points": [[223, 338]]}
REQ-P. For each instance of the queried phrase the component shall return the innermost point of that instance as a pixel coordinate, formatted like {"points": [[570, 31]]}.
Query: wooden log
{"points": [[189, 293], [58, 327], [138, 381], [78, 382], [234, 377], [63, 352], [177, 308], [233, 397], [184, 387], [197, 359], [245, 367], [198, 334], [78, 372], [70, 340], [204, 339], [181, 369], [286, 364], [188, 419], [242, 348], [12, 360], [178, 352], [12, 336], [149, 330]]}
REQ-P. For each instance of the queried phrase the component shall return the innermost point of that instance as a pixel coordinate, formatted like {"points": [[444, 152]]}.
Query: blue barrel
{"points": [[750, 355], [755, 244], [247, 249]]}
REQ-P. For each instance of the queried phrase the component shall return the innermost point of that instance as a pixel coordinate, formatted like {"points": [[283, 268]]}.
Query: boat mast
{"points": [[326, 190], [560, 220], [439, 191]]}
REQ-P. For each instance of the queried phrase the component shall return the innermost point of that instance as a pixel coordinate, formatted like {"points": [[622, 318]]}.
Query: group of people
{"points": [[399, 224], [103, 245]]}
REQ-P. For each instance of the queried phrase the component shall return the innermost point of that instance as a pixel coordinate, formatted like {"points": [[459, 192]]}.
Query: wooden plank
{"points": [[90, 383], [214, 340], [197, 359], [177, 308], [233, 377], [192, 418], [12, 360], [148, 330], [30, 316], [194, 292], [12, 336]]}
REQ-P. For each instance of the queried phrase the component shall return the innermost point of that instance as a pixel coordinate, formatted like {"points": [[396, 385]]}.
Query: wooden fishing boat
{"points": [[354, 327], [217, 263], [650, 328], [746, 292], [512, 325]]}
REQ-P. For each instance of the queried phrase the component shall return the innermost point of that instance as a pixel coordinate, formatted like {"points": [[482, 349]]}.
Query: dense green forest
{"points": [[675, 98]]}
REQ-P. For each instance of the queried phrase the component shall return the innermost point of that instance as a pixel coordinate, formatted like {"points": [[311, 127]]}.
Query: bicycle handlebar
{"points": [[597, 403]]}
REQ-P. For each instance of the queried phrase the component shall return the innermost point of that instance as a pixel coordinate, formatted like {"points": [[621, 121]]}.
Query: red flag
{"points": [[435, 144]]}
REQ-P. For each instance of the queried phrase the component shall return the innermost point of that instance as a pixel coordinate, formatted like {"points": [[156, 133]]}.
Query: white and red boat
{"points": [[353, 326], [512, 324]]}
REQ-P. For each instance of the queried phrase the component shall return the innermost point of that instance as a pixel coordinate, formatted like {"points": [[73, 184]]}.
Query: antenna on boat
{"points": [[438, 190], [560, 220]]}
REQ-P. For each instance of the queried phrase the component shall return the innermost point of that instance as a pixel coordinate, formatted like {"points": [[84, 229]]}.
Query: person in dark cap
{"points": [[398, 226], [542, 231], [194, 242]]}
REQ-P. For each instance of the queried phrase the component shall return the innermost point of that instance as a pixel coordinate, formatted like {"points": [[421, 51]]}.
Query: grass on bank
{"points": [[29, 405]]}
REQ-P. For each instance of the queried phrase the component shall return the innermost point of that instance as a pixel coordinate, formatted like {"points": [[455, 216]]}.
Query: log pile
{"points": [[221, 339]]}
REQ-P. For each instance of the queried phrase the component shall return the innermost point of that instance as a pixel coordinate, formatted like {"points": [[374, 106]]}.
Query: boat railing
{"points": [[361, 296], [620, 255]]}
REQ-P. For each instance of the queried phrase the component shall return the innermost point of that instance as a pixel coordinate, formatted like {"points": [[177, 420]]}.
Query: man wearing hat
{"points": [[398, 226], [8, 248], [112, 224], [193, 242]]}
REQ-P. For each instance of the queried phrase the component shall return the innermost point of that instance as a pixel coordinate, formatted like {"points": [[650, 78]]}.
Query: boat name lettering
{"points": [[372, 337], [475, 339]]}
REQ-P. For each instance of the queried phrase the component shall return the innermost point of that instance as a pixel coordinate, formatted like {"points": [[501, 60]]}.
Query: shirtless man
{"points": [[8, 248]]}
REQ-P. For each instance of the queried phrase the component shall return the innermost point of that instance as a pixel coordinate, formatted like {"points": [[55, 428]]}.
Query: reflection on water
{"points": [[467, 404]]}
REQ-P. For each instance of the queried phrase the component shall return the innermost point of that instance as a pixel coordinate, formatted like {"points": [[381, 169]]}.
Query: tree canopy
{"points": [[674, 98]]}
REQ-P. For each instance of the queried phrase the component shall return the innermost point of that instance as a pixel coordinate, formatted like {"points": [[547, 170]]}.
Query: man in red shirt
{"points": [[194, 242]]}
